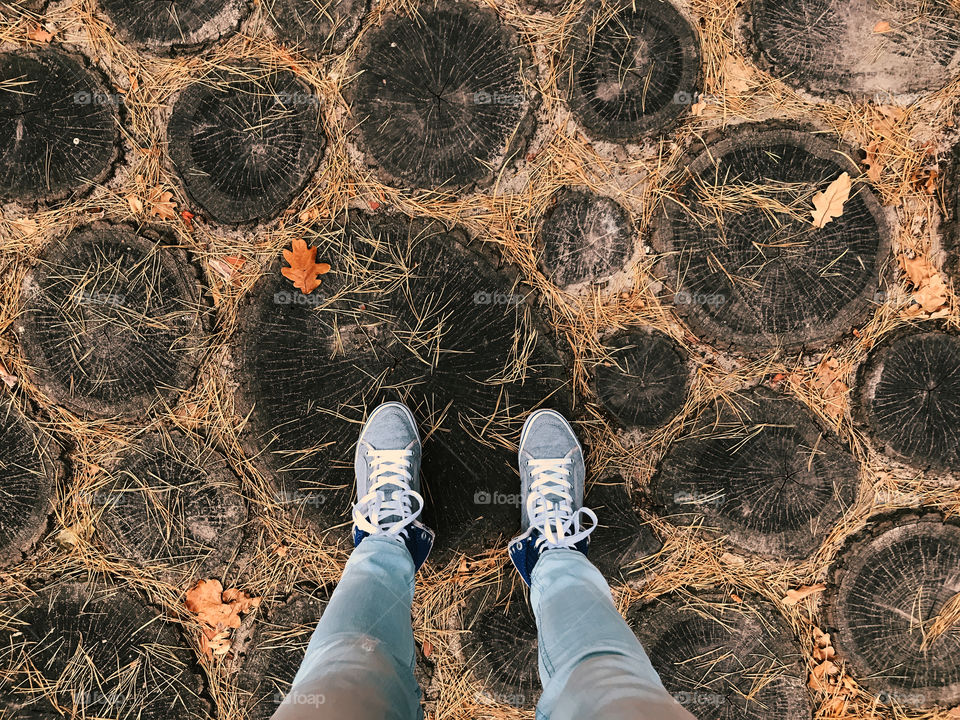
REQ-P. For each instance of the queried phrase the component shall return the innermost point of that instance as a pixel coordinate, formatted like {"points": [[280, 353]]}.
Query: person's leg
{"points": [[359, 663], [591, 663], [601, 673]]}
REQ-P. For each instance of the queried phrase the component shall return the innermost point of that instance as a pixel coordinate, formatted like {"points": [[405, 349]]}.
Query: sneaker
{"points": [[552, 481], [387, 466]]}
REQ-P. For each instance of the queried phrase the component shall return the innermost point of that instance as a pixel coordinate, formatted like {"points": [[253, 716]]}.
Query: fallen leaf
{"points": [[67, 538], [875, 159], [135, 203], [829, 204], [282, 550], [824, 653], [736, 75], [9, 380], [162, 205], [698, 107], [427, 648], [882, 27], [205, 600], [188, 219], [820, 676], [925, 180], [240, 601], [310, 214], [930, 291], [834, 707], [794, 596], [304, 270], [39, 34]]}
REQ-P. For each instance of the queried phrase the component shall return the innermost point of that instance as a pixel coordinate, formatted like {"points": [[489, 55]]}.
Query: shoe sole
{"points": [[383, 406], [530, 420]]}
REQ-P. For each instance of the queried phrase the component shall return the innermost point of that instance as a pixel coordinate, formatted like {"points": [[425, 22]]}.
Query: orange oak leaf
{"points": [[304, 270], [882, 27], [40, 34]]}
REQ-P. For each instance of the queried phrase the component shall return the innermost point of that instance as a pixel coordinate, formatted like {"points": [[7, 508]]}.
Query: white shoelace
{"points": [[387, 509], [550, 505]]}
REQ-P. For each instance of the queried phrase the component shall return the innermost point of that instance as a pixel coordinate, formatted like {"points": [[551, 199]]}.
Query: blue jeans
{"points": [[360, 660]]}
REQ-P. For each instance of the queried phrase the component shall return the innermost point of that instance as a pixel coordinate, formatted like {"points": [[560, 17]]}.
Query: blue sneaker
{"points": [[387, 466], [552, 481]]}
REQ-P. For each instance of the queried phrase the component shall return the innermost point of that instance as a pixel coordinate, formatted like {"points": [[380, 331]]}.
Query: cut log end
{"points": [[740, 252], [59, 132], [246, 144], [909, 391], [430, 321], [858, 47], [886, 594], [644, 382], [584, 237], [621, 538], [27, 482], [723, 659], [318, 27], [631, 73], [442, 99], [163, 26], [761, 470], [171, 504], [112, 321], [103, 653]]}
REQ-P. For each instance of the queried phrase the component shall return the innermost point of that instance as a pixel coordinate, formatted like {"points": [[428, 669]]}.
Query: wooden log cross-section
{"points": [[890, 52], [740, 255], [112, 323], [59, 128], [173, 24], [908, 398], [892, 607], [413, 311], [245, 143], [630, 70], [317, 27], [99, 651], [442, 99], [724, 658], [760, 470]]}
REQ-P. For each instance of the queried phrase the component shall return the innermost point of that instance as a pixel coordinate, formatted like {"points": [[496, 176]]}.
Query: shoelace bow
{"points": [[387, 509], [550, 505]]}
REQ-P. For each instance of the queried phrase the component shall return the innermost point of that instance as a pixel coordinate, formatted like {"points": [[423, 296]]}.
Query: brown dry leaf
{"points": [[427, 648], [820, 676], [240, 601], [736, 75], [827, 380], [834, 707], [26, 226], [162, 204], [215, 644], [226, 267], [824, 653], [930, 289], [875, 159], [882, 27], [40, 34], [68, 537], [829, 204], [925, 180], [8, 379], [205, 600], [304, 270], [794, 596], [954, 712], [310, 214], [135, 203], [698, 107]]}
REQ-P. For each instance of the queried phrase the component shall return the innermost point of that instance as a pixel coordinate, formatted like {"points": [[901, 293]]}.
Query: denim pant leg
{"points": [[360, 660], [591, 663]]}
